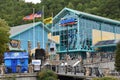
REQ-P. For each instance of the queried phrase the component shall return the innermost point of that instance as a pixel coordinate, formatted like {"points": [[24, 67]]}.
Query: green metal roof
{"points": [[83, 14], [22, 28]]}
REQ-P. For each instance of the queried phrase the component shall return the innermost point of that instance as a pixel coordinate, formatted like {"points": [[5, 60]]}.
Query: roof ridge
{"points": [[25, 24], [92, 16]]}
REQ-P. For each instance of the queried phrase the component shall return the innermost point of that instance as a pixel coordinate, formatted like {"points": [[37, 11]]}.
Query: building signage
{"points": [[36, 64], [68, 21], [15, 43], [15, 55], [52, 46]]}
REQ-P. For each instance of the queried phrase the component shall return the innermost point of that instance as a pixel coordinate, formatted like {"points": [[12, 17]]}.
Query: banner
{"points": [[48, 20]]}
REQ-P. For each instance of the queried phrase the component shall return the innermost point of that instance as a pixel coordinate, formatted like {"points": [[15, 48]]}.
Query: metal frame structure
{"points": [[77, 38]]}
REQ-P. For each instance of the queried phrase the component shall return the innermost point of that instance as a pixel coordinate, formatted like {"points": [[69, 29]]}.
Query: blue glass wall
{"points": [[78, 37]]}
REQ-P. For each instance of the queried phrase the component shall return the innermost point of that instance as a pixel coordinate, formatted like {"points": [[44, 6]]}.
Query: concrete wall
{"points": [[109, 64]]}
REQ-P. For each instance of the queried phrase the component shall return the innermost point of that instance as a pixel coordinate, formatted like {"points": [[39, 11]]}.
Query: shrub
{"points": [[105, 78], [47, 75], [117, 57]]}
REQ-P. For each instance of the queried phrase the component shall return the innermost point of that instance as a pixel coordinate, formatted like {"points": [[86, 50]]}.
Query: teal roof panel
{"points": [[83, 14]]}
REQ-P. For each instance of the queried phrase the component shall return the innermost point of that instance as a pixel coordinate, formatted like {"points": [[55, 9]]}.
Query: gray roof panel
{"points": [[21, 28]]}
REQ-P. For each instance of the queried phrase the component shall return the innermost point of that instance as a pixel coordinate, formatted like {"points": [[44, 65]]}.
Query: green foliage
{"points": [[10, 77], [13, 10], [96, 79], [4, 37], [105, 78], [110, 9], [70, 5], [117, 57], [47, 75]]}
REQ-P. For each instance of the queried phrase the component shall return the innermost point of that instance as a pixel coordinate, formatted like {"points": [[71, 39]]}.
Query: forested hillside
{"points": [[14, 10]]}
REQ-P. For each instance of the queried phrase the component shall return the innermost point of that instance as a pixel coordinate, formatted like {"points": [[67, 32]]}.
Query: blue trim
{"points": [[79, 50]]}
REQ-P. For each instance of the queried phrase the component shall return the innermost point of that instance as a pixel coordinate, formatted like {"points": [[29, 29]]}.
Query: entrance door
{"points": [[14, 65]]}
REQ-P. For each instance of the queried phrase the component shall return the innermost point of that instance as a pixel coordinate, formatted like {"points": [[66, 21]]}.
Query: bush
{"points": [[47, 75], [96, 79], [117, 57], [9, 77], [105, 78]]}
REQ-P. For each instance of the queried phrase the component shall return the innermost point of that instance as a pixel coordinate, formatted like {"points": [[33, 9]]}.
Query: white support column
{"points": [[78, 30], [114, 32]]}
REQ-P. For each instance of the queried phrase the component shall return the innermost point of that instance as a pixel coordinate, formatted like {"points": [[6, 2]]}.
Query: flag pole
{"points": [[33, 28], [52, 55], [52, 28], [43, 25]]}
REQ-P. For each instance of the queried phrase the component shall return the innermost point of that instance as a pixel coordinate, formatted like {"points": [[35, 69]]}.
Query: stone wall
{"points": [[19, 76]]}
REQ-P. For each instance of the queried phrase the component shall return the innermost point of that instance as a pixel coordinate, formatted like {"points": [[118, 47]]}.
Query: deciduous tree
{"points": [[4, 37], [117, 57]]}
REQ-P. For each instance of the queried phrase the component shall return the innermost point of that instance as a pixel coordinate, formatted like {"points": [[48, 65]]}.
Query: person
{"points": [[62, 65], [18, 68], [66, 67], [66, 63], [88, 57], [3, 68], [31, 66]]}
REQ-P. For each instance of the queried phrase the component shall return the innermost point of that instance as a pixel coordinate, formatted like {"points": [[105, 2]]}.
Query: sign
{"points": [[14, 43], [36, 67], [52, 47], [15, 55], [68, 21], [36, 62]]}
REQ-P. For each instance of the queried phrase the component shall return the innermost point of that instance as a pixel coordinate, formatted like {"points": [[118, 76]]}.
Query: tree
{"points": [[13, 10], [110, 9], [4, 36], [70, 5], [117, 57], [47, 75], [80, 7]]}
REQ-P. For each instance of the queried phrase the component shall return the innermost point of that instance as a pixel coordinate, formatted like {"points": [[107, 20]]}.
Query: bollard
{"points": [[75, 70], [65, 69]]}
